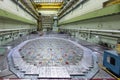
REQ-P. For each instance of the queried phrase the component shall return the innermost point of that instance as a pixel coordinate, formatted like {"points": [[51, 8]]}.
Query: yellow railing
{"points": [[112, 2]]}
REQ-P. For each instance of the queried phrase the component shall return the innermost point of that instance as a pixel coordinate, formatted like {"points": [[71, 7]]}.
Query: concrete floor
{"points": [[5, 73], [4, 70]]}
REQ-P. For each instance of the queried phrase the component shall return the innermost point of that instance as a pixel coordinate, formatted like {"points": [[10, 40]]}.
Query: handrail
{"points": [[107, 31], [1, 30]]}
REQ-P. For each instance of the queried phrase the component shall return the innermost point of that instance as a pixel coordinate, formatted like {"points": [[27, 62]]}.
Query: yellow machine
{"points": [[111, 2], [118, 48]]}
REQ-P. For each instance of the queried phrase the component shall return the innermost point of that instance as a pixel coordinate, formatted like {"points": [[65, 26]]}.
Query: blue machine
{"points": [[111, 61]]}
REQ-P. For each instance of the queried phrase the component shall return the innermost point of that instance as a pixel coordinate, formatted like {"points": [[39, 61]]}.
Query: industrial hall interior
{"points": [[60, 39]]}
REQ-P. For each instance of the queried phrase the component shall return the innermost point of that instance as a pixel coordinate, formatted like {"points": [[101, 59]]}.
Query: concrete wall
{"points": [[11, 7], [104, 23], [90, 5], [11, 29]]}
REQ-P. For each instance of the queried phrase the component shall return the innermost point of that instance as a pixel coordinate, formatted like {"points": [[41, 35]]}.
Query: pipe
{"points": [[30, 6], [16, 2], [34, 5], [75, 6], [93, 31], [66, 6]]}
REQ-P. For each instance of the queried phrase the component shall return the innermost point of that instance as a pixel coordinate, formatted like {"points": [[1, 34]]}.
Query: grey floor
{"points": [[4, 70], [5, 73]]}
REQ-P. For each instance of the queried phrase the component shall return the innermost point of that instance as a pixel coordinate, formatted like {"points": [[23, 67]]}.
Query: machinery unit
{"points": [[111, 61]]}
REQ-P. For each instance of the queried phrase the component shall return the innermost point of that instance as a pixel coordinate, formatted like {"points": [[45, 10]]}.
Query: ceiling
{"points": [[49, 6], [48, 1]]}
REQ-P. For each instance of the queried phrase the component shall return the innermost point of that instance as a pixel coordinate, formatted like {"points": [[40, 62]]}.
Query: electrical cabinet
{"points": [[111, 61]]}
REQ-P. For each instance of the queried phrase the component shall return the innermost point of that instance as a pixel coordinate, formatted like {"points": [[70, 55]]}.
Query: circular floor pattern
{"points": [[50, 57], [51, 52]]}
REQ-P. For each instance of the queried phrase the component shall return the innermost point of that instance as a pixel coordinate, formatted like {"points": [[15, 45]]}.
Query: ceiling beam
{"points": [[45, 9], [52, 3], [49, 7]]}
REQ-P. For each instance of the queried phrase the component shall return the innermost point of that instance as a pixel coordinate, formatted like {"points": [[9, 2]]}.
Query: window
{"points": [[111, 60]]}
